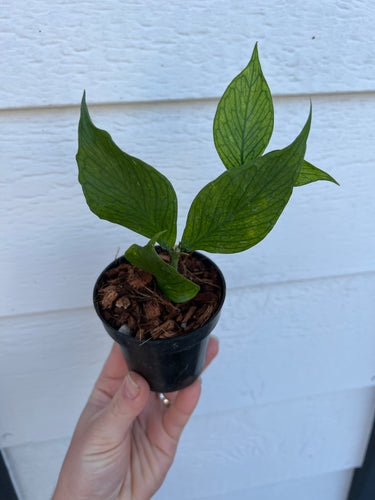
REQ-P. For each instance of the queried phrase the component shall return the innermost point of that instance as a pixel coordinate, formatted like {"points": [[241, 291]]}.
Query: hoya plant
{"points": [[232, 213]]}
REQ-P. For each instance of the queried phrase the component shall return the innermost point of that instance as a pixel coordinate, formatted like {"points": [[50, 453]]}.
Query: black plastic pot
{"points": [[167, 364]]}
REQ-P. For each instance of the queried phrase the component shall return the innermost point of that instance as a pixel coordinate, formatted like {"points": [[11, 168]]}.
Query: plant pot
{"points": [[168, 364]]}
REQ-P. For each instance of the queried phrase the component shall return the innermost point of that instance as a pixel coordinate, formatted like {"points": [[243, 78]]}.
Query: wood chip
{"points": [[165, 257], [123, 302], [131, 323], [151, 309], [109, 296], [206, 297], [189, 314], [206, 314], [140, 334], [168, 335], [139, 278], [163, 329]]}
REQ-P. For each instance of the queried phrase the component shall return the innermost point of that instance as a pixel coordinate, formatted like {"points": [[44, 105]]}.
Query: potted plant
{"points": [[160, 301]]}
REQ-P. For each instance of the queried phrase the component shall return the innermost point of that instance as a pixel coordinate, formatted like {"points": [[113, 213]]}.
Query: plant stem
{"points": [[175, 255]]}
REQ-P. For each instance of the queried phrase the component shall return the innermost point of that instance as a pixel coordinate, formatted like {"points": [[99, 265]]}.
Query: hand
{"points": [[126, 437]]}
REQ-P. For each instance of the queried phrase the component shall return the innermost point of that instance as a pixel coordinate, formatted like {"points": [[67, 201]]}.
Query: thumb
{"points": [[127, 403]]}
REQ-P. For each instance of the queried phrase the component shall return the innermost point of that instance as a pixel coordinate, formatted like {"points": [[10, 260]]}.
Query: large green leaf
{"points": [[239, 208], [121, 188], [171, 282], [309, 173], [244, 117]]}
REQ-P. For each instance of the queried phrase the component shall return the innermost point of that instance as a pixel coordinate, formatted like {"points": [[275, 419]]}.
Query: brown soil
{"points": [[129, 296]]}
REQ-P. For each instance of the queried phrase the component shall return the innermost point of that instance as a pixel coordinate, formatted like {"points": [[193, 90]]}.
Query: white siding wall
{"points": [[287, 407]]}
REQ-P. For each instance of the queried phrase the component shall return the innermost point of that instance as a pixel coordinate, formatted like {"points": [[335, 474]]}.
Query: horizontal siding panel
{"points": [[274, 443], [241, 449], [53, 247], [333, 486], [27, 462], [278, 343], [35, 467], [144, 51]]}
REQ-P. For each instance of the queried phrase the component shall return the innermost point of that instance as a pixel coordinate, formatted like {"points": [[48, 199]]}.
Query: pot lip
{"points": [[189, 337]]}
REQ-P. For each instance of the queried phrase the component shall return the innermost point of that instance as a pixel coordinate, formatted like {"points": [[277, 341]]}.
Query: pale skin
{"points": [[126, 438]]}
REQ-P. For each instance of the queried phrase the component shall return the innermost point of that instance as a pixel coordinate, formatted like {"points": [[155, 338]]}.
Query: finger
{"points": [[115, 366], [178, 414], [110, 378], [128, 402], [212, 351]]}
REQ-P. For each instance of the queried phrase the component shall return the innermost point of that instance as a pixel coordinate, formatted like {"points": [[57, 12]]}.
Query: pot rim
{"points": [[194, 335]]}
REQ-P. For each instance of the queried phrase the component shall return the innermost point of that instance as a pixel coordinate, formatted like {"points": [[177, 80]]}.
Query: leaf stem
{"points": [[175, 255]]}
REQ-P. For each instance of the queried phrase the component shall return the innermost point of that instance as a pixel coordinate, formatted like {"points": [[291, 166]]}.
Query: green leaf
{"points": [[171, 282], [309, 173], [239, 208], [243, 122], [121, 188]]}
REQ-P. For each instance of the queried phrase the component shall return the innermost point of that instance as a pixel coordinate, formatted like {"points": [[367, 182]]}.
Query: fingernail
{"points": [[131, 389]]}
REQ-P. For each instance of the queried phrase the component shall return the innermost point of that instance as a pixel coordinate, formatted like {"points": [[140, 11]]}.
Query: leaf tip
{"points": [[303, 135], [83, 100], [85, 118], [255, 55]]}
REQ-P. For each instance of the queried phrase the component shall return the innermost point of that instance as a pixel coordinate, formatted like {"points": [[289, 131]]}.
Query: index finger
{"points": [[112, 374]]}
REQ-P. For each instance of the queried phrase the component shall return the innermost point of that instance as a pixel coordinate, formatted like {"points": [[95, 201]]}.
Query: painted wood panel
{"points": [[145, 51], [278, 343], [54, 247], [26, 463], [239, 449], [333, 486]]}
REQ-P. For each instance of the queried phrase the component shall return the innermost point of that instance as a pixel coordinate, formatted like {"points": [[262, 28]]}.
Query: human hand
{"points": [[126, 438]]}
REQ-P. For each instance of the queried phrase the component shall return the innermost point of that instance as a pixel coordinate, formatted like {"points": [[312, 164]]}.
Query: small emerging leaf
{"points": [[241, 206], [169, 280], [243, 122], [121, 188], [309, 173]]}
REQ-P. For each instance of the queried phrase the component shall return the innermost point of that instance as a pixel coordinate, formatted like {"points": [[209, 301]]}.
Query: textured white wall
{"points": [[288, 405]]}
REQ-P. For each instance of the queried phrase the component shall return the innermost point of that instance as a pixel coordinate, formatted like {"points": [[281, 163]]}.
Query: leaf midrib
{"points": [[246, 116]]}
